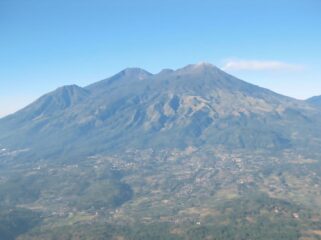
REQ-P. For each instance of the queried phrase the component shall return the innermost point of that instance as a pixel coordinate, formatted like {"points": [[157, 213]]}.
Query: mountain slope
{"points": [[316, 101], [197, 105], [51, 103]]}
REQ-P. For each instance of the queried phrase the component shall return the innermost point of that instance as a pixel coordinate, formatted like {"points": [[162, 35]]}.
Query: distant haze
{"points": [[47, 44]]}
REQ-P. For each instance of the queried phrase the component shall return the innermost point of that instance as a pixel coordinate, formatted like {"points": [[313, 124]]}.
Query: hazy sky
{"points": [[48, 43]]}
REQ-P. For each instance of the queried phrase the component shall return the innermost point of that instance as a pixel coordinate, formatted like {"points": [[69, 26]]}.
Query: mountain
{"points": [[197, 105], [316, 101], [192, 153], [52, 103]]}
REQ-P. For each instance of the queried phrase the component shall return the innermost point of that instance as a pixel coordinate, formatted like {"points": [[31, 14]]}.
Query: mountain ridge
{"points": [[195, 105], [316, 101]]}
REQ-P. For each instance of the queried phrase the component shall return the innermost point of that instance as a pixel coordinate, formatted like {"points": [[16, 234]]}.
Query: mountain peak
{"points": [[316, 101], [55, 101], [199, 67], [125, 76], [204, 65], [68, 88], [135, 72]]}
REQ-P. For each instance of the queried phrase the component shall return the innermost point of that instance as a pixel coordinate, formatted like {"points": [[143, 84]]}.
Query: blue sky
{"points": [[45, 44]]}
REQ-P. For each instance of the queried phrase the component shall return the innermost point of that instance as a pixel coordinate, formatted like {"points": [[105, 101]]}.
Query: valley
{"points": [[175, 188]]}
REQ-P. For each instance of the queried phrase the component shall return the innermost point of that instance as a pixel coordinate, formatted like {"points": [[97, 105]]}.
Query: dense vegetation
{"points": [[251, 217], [15, 221], [165, 195]]}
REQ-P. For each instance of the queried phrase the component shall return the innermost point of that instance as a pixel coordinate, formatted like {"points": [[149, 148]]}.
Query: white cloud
{"points": [[260, 65]]}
